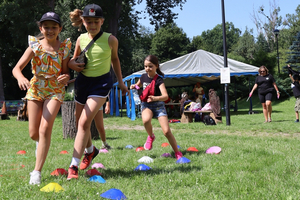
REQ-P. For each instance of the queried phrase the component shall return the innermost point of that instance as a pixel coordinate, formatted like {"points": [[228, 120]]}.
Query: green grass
{"points": [[258, 160]]}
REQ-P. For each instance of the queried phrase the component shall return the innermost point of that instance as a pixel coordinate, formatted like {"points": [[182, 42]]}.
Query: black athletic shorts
{"points": [[264, 97], [86, 87]]}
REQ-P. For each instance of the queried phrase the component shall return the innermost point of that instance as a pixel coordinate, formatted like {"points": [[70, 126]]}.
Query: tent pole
{"points": [[227, 108]]}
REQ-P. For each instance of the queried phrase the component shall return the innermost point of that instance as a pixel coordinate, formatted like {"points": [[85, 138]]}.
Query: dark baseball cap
{"points": [[92, 10], [51, 16]]}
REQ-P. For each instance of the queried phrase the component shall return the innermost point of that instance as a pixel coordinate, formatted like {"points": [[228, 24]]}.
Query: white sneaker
{"points": [[35, 178]]}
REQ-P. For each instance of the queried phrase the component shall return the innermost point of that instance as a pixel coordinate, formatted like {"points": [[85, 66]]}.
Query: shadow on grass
{"points": [[115, 173], [245, 112]]}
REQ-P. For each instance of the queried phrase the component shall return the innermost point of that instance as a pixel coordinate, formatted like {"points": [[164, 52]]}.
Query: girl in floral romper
{"points": [[45, 91]]}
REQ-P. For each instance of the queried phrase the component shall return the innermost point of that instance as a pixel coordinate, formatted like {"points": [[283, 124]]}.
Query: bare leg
{"points": [[164, 123], [35, 110], [297, 115], [100, 125], [147, 117], [269, 108], [265, 111], [50, 110], [88, 113]]}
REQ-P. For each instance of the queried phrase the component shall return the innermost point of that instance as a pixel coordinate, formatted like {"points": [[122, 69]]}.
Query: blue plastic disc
{"points": [[97, 178], [183, 160], [142, 167], [113, 194], [129, 146]]}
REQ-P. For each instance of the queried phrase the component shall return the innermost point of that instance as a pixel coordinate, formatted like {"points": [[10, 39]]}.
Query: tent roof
{"points": [[198, 66]]}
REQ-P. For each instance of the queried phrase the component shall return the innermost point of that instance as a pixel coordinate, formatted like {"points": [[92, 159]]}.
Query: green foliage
{"points": [[160, 11], [169, 42], [294, 54], [213, 39], [69, 96], [263, 58], [246, 46]]}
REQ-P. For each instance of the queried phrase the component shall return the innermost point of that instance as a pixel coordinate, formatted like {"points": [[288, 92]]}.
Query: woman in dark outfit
{"points": [[265, 84]]}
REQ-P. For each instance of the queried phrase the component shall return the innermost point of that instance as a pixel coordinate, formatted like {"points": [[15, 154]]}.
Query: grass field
{"points": [[258, 160]]}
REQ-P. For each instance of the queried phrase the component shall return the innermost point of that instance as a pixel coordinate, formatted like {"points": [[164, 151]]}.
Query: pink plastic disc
{"points": [[213, 150]]}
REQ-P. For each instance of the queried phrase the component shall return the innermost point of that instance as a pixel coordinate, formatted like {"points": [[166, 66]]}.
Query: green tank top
{"points": [[98, 55]]}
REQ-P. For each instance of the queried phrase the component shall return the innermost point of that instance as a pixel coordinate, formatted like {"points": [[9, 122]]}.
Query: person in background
{"points": [[94, 82], [46, 89], [153, 104], [198, 92], [296, 91], [265, 84]]}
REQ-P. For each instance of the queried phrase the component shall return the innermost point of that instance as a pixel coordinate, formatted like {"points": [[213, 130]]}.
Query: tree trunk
{"points": [[113, 21], [69, 121]]}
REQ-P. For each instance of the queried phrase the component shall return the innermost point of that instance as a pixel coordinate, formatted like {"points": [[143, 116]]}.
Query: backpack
{"points": [[208, 120], [198, 117]]}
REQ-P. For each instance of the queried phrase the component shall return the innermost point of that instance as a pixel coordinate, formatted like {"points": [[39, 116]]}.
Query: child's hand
{"points": [[23, 83], [63, 79], [124, 89], [132, 86], [107, 109], [78, 67], [150, 98]]}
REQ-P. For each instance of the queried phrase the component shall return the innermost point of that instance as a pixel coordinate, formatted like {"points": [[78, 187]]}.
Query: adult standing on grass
{"points": [[265, 84], [93, 84], [153, 103], [46, 89], [296, 91]]}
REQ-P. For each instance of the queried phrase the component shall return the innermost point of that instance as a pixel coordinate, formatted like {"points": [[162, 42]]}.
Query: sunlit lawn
{"points": [[258, 160]]}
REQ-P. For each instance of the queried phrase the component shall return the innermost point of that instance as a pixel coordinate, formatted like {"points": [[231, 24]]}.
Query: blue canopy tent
{"points": [[198, 66]]}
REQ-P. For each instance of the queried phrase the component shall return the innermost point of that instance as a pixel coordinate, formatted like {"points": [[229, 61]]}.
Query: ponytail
{"points": [[153, 59], [160, 72], [75, 17]]}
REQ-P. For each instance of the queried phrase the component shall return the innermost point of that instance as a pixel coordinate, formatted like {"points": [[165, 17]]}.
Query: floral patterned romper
{"points": [[48, 65]]}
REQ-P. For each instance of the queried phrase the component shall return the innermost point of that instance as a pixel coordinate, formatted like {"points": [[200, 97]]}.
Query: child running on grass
{"points": [[294, 76], [153, 103], [94, 82], [46, 89]]}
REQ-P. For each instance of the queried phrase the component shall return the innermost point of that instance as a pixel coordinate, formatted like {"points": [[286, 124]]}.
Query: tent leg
{"points": [[250, 102]]}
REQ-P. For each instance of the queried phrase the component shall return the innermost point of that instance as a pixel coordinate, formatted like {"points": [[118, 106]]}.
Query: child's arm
{"points": [[292, 78], [163, 97], [137, 84], [17, 70], [72, 64], [113, 43], [65, 76]]}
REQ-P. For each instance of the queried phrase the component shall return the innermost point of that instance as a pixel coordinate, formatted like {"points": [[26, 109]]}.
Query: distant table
{"points": [[172, 104], [172, 111]]}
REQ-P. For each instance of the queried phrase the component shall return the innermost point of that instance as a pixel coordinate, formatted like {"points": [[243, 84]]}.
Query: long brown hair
{"points": [[153, 59]]}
